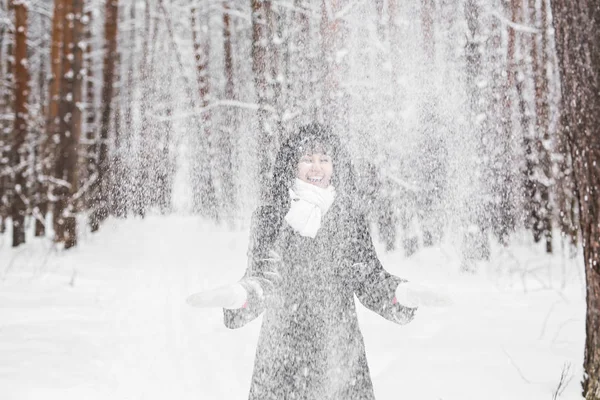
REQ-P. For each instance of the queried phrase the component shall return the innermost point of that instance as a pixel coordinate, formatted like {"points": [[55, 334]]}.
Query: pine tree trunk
{"points": [[333, 34], [19, 155], [100, 208], [91, 142], [204, 199], [300, 72], [577, 27], [72, 141], [427, 10], [47, 150], [142, 156], [431, 141], [504, 218], [129, 102], [63, 219], [226, 151], [260, 69], [117, 169], [475, 245], [6, 123], [542, 126]]}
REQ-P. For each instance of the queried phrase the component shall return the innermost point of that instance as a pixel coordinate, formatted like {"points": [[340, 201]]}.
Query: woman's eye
{"points": [[325, 160]]}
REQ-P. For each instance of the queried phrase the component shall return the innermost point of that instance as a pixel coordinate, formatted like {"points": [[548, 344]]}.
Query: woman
{"points": [[310, 252]]}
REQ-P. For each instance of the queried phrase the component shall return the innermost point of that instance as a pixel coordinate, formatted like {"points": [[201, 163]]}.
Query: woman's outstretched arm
{"points": [[261, 278], [375, 287]]}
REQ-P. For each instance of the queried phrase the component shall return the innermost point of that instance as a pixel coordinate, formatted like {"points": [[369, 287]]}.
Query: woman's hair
{"points": [[308, 139]]}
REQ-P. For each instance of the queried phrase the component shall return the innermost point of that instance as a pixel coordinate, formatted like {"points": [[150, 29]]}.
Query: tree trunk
{"points": [[260, 68], [6, 123], [47, 150], [100, 206], [19, 155], [501, 110], [333, 33], [476, 245], [117, 180], [61, 189], [72, 141], [66, 166], [535, 125], [225, 148], [577, 27], [431, 141], [204, 198], [427, 10], [542, 126], [91, 141], [129, 96]]}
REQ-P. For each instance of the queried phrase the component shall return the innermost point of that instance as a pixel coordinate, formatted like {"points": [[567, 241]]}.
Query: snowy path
{"points": [[123, 330]]}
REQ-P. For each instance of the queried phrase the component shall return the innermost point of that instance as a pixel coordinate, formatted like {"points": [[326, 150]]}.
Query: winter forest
{"points": [[138, 136]]}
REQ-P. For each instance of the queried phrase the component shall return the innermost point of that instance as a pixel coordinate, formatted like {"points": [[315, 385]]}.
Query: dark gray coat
{"points": [[310, 346]]}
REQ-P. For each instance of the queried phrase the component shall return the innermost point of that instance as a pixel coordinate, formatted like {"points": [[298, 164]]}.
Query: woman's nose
{"points": [[315, 165]]}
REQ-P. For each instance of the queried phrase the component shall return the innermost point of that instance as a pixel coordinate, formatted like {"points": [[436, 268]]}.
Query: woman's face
{"points": [[315, 169]]}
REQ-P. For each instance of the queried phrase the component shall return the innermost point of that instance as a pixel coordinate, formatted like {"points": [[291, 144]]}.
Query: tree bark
{"points": [[19, 152], [6, 124], [543, 142], [577, 27], [476, 245], [66, 167], [61, 188], [204, 198], [501, 177], [226, 145], [260, 69], [91, 145], [427, 10], [100, 205]]}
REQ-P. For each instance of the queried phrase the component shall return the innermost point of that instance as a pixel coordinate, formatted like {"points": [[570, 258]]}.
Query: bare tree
{"points": [[260, 68], [100, 204], [577, 27], [476, 244], [431, 141], [500, 173], [19, 152], [543, 143], [226, 143], [203, 188], [91, 142], [333, 32], [66, 163], [6, 122]]}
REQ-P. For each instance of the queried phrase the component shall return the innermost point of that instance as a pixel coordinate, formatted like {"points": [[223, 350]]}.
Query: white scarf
{"points": [[309, 204]]}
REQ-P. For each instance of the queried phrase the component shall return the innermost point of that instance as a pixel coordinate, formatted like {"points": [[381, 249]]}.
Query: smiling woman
{"points": [[310, 252]]}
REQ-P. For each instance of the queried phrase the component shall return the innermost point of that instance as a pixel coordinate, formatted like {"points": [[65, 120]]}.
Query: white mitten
{"points": [[406, 295], [412, 295], [229, 296]]}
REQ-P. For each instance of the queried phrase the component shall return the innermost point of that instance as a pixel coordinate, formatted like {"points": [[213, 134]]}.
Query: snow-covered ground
{"points": [[108, 320]]}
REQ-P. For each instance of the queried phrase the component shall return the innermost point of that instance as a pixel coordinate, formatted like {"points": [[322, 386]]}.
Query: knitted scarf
{"points": [[309, 204]]}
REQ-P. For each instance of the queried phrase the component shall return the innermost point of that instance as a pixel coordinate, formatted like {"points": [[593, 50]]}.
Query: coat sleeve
{"points": [[261, 278], [375, 287]]}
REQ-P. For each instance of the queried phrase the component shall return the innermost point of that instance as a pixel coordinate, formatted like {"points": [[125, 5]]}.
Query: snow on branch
{"points": [[515, 26]]}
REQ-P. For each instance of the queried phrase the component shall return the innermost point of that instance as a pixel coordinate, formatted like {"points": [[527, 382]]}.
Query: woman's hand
{"points": [[413, 295], [406, 295], [229, 296]]}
